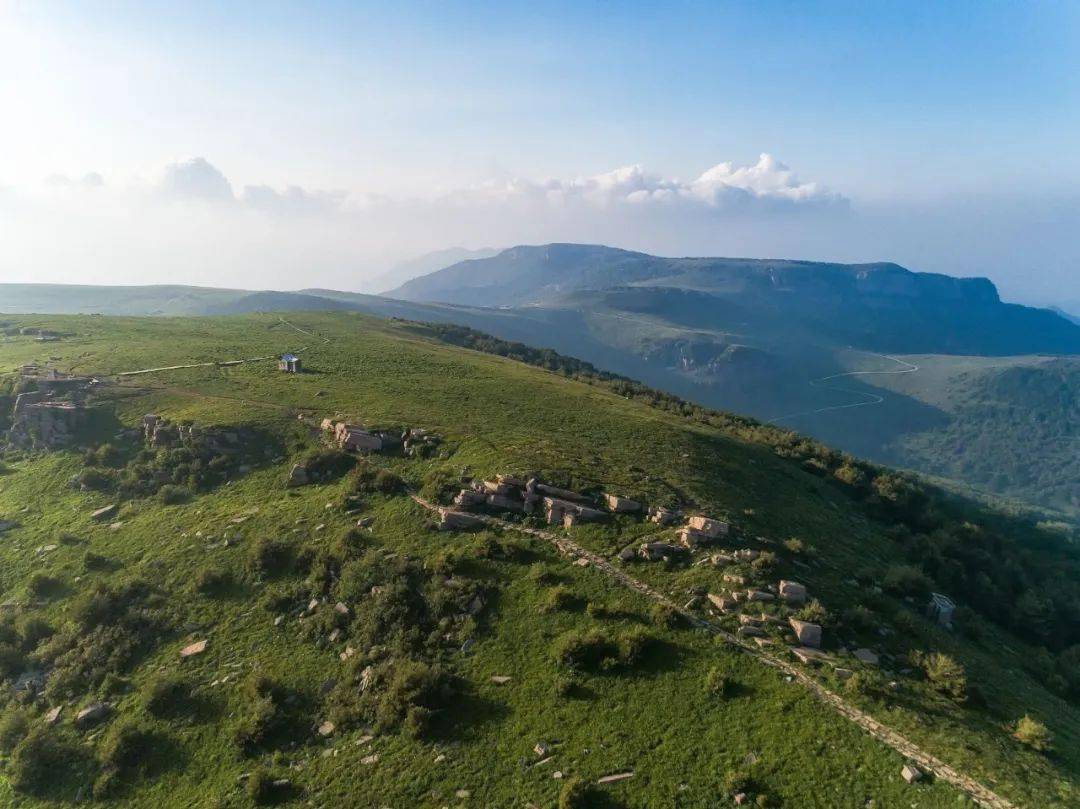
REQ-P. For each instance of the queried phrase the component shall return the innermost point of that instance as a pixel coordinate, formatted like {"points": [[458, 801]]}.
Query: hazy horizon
{"points": [[279, 147]]}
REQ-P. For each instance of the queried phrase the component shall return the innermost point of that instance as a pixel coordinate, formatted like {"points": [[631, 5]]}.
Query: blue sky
{"points": [[898, 108]]}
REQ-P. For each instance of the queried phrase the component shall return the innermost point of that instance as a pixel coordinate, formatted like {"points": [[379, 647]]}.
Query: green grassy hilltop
{"points": [[483, 668]]}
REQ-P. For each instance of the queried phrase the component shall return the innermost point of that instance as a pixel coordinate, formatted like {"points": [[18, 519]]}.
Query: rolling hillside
{"points": [[323, 644]]}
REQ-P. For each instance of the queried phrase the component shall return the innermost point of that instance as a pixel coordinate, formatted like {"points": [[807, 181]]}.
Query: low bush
{"points": [[41, 585], [94, 561], [33, 630], [1032, 733], [166, 695], [37, 759], [595, 651], [328, 464], [271, 557], [717, 683], [945, 675], [170, 494], [906, 580], [12, 660], [259, 720], [815, 613], [261, 788], [558, 598], [96, 480], [666, 616], [577, 794], [14, 725], [214, 582], [386, 482]]}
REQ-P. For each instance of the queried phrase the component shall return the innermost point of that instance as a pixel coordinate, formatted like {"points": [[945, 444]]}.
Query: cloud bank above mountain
{"points": [[187, 221]]}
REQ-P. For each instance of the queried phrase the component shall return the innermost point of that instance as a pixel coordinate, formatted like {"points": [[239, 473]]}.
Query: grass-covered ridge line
{"points": [[661, 714]]}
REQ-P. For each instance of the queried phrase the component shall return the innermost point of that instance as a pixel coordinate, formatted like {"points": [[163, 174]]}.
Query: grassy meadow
{"points": [[654, 715]]}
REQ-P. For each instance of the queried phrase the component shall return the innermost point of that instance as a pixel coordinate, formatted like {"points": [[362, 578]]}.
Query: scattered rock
{"points": [[326, 728], [500, 679], [53, 716], [866, 656], [92, 714], [620, 776], [105, 513], [192, 649], [542, 749], [910, 773]]}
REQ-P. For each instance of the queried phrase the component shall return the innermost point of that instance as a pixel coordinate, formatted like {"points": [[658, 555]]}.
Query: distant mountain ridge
{"points": [[879, 306]]}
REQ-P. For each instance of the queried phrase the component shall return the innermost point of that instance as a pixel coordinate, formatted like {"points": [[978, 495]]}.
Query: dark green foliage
{"points": [[170, 494], [906, 580], [666, 616], [95, 561], [12, 660], [112, 627], [98, 480], [14, 725], [106, 455], [386, 482], [262, 716], [1033, 733], [327, 464], [41, 585], [262, 787], [593, 650], [33, 630], [271, 557], [124, 753], [944, 674], [559, 597], [214, 582], [717, 683], [815, 613], [38, 758], [577, 794], [166, 695]]}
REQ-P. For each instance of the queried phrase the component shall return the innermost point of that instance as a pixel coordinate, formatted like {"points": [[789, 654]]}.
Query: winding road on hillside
{"points": [[868, 398]]}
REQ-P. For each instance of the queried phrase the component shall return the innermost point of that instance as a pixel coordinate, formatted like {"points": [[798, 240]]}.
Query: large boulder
{"points": [[792, 592], [807, 633]]}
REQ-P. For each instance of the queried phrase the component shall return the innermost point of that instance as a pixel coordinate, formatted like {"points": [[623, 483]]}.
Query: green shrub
{"points": [[256, 724], [126, 748], [96, 480], [33, 630], [38, 758], [716, 683], [94, 561], [1032, 733], [166, 695], [577, 794], [859, 618], [261, 787], [944, 674], [558, 598], [170, 494], [12, 660], [214, 582], [14, 725], [906, 580], [386, 482], [596, 651], [270, 557], [815, 613], [41, 585], [666, 616], [328, 464]]}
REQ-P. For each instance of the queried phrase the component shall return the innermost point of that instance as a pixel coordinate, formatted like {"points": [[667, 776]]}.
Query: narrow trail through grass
{"points": [[976, 791]]}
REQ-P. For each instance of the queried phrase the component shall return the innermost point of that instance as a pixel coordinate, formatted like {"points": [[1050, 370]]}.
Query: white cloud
{"points": [[195, 178], [293, 200], [191, 223]]}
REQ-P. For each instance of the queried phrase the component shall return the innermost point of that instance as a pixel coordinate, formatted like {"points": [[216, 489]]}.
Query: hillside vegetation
{"points": [[483, 668]]}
